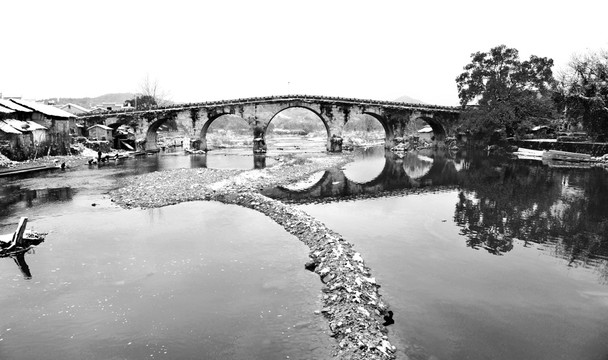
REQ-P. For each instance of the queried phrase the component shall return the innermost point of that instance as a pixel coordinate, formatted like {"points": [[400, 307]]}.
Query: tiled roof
{"points": [[23, 126], [75, 106], [6, 128], [5, 110], [100, 126], [45, 109], [13, 106]]}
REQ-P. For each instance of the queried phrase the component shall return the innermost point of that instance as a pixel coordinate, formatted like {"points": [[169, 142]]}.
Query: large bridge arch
{"points": [[439, 131], [389, 134], [155, 124], [299, 106], [205, 128], [152, 133]]}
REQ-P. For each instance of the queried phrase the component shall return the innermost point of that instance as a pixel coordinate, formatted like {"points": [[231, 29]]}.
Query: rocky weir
{"points": [[356, 314]]}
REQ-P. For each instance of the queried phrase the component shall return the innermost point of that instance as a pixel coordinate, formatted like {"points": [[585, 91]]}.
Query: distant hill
{"points": [[409, 100], [88, 102]]}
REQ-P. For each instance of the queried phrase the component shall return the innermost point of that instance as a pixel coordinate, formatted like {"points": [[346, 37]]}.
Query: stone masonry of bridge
{"points": [[334, 112]]}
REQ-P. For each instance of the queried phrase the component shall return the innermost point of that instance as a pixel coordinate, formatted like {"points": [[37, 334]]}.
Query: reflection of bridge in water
{"points": [[411, 171]]}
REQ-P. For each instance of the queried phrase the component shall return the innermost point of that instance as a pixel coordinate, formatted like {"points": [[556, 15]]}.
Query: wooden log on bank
{"points": [[15, 239]]}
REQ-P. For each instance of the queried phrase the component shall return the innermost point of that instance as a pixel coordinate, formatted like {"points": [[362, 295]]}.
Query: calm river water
{"points": [[479, 257], [169, 283]]}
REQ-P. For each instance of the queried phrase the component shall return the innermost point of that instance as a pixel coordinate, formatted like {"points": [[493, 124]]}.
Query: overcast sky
{"points": [[209, 50]]}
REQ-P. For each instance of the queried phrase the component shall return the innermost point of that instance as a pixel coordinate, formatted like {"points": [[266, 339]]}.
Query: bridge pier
{"points": [[335, 144], [151, 137], [259, 140]]}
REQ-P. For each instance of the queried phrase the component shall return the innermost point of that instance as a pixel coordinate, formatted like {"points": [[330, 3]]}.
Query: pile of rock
{"points": [[356, 313], [410, 144]]}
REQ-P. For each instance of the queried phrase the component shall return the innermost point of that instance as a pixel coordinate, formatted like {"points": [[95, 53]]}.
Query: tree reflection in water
{"points": [[565, 210]]}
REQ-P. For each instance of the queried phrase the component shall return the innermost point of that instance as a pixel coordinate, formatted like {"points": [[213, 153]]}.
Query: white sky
{"points": [[209, 50]]}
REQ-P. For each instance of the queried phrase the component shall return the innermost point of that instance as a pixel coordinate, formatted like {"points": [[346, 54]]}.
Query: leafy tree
{"points": [[510, 93], [583, 92]]}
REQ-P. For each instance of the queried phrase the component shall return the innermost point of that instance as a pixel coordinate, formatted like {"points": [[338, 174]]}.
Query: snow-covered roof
{"points": [[17, 124], [24, 125], [13, 106], [426, 129], [100, 126], [75, 106], [6, 128], [47, 110], [538, 127], [5, 110], [34, 125]]}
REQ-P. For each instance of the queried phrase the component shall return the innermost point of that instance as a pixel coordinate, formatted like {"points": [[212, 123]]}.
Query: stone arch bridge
{"points": [[334, 112]]}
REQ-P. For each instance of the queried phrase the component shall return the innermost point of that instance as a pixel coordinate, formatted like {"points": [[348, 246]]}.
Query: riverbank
{"points": [[69, 160], [352, 304]]}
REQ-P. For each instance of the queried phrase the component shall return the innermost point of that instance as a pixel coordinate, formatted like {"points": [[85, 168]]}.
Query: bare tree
{"points": [[150, 89], [149, 95]]}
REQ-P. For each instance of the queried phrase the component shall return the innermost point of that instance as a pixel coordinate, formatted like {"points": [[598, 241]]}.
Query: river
{"points": [[168, 283], [479, 257]]}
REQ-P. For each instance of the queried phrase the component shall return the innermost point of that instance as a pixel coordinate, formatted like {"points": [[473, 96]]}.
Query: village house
{"points": [[76, 127], [43, 128], [100, 132], [18, 139]]}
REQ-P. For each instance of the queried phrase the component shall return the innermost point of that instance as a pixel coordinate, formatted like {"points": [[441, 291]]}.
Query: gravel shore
{"points": [[69, 160], [352, 304]]}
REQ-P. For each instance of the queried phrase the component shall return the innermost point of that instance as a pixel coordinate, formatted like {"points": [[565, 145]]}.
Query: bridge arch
{"points": [[207, 124], [156, 124], [388, 131], [439, 131], [152, 134], [298, 106], [205, 129]]}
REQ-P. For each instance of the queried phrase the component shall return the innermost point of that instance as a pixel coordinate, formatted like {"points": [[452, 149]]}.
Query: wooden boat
{"points": [[529, 154], [566, 156], [9, 172], [20, 241]]}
